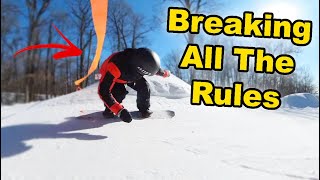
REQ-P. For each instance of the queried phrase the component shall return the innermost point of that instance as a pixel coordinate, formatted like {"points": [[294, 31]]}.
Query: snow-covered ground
{"points": [[50, 140]]}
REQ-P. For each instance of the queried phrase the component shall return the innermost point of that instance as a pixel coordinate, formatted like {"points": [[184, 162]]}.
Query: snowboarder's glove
{"points": [[163, 73], [166, 73], [125, 115]]}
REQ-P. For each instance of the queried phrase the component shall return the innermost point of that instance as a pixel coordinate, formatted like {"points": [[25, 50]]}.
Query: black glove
{"points": [[125, 115]]}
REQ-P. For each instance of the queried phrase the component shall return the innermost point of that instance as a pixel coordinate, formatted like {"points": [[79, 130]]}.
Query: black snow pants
{"points": [[142, 87]]}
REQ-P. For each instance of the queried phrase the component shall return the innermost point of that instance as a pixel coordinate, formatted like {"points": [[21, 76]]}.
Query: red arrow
{"points": [[69, 50]]}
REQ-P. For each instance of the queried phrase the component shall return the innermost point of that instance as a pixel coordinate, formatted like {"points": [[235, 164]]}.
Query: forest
{"points": [[35, 75]]}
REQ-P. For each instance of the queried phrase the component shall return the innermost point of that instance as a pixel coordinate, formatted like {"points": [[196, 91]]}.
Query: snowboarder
{"points": [[128, 67]]}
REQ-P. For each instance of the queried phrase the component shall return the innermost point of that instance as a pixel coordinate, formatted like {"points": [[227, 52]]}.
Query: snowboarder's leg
{"points": [[143, 96], [119, 92]]}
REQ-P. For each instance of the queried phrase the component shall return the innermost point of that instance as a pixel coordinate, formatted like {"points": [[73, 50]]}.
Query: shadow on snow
{"points": [[13, 138]]}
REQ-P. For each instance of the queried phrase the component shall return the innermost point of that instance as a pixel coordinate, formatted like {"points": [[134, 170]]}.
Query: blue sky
{"points": [[164, 42]]}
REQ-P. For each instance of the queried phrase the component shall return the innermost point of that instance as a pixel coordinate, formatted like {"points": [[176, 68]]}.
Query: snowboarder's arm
{"points": [[105, 93], [163, 73]]}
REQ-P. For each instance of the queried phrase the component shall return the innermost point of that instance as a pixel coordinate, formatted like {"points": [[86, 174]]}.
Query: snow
{"points": [[172, 87], [48, 140], [8, 98], [300, 100]]}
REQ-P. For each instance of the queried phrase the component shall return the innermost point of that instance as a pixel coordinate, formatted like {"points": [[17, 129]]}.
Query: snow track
{"points": [[48, 140]]}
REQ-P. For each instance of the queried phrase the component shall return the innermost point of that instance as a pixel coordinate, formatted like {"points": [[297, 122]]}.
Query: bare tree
{"points": [[127, 29], [119, 12], [196, 7], [60, 19], [305, 81], [36, 9], [89, 53], [48, 60], [9, 42], [139, 27], [171, 62], [81, 11], [9, 22]]}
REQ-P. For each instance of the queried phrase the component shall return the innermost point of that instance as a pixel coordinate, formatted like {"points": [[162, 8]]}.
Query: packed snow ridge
{"points": [[171, 87], [300, 100]]}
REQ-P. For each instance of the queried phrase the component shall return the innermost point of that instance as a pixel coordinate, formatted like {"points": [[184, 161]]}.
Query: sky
{"points": [[163, 42]]}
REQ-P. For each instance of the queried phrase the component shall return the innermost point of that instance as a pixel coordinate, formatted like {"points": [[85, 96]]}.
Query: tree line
{"points": [[35, 73]]}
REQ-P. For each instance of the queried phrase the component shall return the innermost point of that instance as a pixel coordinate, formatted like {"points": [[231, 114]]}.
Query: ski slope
{"points": [[49, 140]]}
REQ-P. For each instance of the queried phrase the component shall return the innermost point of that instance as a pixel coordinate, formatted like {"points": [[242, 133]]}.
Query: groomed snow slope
{"points": [[51, 140]]}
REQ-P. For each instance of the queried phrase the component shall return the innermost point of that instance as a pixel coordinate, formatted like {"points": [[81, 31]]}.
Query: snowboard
{"points": [[136, 115]]}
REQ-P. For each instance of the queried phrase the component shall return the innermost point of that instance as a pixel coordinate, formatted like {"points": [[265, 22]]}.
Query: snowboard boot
{"points": [[108, 114], [145, 113]]}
